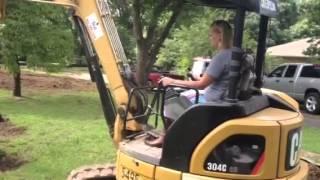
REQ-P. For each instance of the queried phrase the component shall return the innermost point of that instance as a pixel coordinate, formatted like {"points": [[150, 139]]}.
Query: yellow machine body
{"points": [[270, 123]]}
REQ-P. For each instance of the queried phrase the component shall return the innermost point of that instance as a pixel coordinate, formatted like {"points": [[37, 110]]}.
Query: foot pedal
{"points": [[152, 134]]}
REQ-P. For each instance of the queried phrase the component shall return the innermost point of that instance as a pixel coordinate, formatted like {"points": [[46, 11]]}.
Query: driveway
{"points": [[311, 120]]}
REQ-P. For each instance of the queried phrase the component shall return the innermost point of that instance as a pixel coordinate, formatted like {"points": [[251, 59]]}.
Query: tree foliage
{"points": [[39, 32], [150, 22], [190, 39], [310, 11], [280, 30]]}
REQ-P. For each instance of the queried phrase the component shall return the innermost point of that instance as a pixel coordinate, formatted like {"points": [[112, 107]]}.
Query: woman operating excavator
{"points": [[215, 80]]}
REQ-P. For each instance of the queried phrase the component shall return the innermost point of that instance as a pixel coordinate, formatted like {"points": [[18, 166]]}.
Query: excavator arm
{"points": [[102, 47]]}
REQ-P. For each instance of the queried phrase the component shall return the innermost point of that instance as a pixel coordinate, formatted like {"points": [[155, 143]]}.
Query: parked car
{"points": [[300, 81]]}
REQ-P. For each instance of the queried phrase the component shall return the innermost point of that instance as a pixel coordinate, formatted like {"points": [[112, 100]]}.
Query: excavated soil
{"points": [[314, 173], [9, 130], [9, 162], [45, 82]]}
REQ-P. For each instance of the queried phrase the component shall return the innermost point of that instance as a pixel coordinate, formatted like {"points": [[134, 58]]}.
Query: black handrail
{"points": [[159, 96]]}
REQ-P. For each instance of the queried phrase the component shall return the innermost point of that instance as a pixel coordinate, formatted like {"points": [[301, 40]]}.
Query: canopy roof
{"points": [[263, 7]]}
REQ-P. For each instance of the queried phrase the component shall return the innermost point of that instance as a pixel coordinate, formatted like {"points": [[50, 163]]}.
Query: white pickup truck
{"points": [[300, 81]]}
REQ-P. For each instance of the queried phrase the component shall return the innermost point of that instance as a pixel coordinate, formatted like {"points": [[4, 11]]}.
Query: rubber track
{"points": [[94, 172]]}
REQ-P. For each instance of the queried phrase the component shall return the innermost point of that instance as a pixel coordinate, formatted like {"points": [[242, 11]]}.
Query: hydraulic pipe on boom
{"points": [[108, 106]]}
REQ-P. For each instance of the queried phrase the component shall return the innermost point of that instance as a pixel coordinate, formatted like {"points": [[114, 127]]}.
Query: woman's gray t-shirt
{"points": [[219, 70]]}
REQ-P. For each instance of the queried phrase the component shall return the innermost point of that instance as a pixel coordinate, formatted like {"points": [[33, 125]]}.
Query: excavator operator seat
{"points": [[177, 105], [247, 77]]}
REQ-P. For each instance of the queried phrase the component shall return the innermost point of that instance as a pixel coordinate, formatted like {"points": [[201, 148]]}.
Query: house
{"points": [[292, 51]]}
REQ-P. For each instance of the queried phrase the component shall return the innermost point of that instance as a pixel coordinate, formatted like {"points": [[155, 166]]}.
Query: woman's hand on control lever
{"points": [[166, 81]]}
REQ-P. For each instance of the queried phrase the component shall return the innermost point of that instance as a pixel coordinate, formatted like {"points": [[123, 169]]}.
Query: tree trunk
{"points": [[17, 83], [149, 45], [143, 68]]}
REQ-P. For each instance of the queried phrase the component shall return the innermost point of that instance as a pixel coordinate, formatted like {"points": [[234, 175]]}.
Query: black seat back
{"points": [[247, 77]]}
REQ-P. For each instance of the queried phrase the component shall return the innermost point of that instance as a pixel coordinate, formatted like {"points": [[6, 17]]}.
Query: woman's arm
{"points": [[202, 83]]}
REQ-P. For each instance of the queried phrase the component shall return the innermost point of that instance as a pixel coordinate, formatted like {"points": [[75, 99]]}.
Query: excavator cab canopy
{"points": [[263, 7]]}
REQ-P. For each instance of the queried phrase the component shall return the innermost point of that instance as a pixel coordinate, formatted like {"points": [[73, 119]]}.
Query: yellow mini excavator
{"points": [[254, 133]]}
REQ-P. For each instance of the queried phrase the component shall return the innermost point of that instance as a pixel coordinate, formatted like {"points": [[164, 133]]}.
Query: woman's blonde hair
{"points": [[224, 28]]}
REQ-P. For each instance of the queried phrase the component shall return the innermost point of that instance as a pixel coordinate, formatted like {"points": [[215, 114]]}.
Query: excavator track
{"points": [[313, 160], [94, 172], [314, 172]]}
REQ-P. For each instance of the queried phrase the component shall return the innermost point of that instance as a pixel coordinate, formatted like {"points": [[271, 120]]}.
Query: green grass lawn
{"points": [[311, 139], [65, 130]]}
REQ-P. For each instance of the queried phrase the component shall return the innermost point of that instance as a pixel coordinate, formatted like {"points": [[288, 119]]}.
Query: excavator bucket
{"points": [[2, 8]]}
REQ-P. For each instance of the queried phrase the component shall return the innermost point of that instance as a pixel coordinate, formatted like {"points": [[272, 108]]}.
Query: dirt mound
{"points": [[8, 130], [9, 162], [314, 172], [46, 82], [106, 172], [3, 119]]}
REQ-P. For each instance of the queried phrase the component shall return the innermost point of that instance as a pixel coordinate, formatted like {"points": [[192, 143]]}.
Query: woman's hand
{"points": [[166, 81]]}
